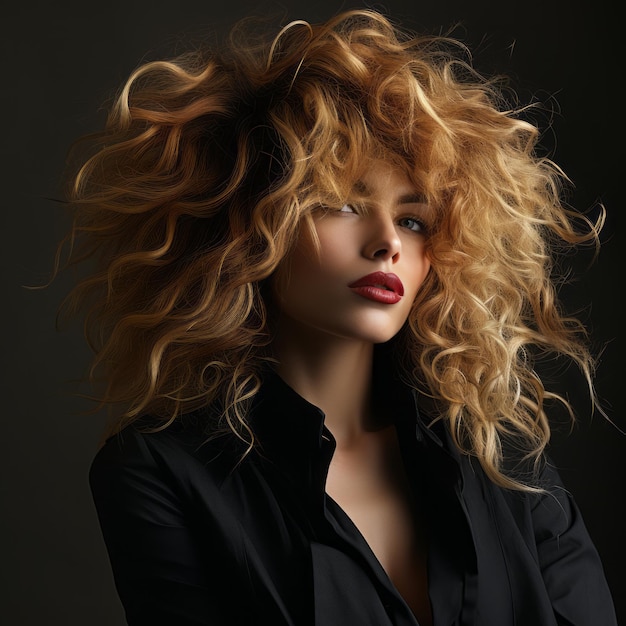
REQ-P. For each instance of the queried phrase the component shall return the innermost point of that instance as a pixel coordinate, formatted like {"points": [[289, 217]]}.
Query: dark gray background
{"points": [[61, 61]]}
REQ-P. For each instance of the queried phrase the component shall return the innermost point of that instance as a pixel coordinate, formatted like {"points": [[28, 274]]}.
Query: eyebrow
{"points": [[410, 198]]}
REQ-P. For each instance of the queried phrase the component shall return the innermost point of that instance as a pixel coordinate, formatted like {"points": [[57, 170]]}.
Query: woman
{"points": [[323, 274]]}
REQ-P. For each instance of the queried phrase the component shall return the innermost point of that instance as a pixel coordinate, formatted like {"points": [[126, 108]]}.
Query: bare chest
{"points": [[370, 485]]}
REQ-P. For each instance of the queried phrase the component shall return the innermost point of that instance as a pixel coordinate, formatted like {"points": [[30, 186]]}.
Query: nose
{"points": [[383, 241]]}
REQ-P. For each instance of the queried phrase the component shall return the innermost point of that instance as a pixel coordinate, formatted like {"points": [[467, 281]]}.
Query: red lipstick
{"points": [[379, 287]]}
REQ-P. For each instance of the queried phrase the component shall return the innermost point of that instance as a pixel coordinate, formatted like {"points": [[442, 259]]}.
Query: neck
{"points": [[334, 374]]}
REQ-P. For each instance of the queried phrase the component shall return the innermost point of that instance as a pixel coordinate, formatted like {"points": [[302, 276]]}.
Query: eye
{"points": [[347, 208], [412, 223]]}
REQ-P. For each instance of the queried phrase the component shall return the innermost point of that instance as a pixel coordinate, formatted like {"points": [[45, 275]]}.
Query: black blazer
{"points": [[196, 538]]}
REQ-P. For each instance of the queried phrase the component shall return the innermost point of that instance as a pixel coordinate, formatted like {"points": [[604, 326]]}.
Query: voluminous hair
{"points": [[211, 163]]}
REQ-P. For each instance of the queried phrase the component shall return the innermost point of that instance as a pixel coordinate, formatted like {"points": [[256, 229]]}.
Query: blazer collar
{"points": [[290, 431]]}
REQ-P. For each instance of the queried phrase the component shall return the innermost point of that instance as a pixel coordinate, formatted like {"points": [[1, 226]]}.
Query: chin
{"points": [[383, 338], [374, 336], [376, 330]]}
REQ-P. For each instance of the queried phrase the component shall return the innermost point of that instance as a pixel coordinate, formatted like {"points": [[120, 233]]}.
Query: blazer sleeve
{"points": [[569, 562], [154, 554]]}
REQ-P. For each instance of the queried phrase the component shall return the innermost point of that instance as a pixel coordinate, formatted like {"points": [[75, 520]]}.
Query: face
{"points": [[360, 283]]}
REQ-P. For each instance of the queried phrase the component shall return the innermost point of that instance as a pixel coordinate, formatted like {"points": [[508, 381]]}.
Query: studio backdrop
{"points": [[63, 61]]}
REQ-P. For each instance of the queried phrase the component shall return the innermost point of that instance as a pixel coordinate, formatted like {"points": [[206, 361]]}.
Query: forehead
{"points": [[383, 179]]}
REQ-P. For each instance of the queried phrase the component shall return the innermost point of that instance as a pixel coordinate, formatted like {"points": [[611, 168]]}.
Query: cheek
{"points": [[295, 271], [319, 256], [420, 266], [425, 261], [338, 250]]}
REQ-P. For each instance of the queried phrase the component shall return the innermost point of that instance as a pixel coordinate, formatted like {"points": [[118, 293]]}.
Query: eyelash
{"points": [[421, 226]]}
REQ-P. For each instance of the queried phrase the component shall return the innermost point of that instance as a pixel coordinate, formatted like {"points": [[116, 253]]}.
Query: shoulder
{"points": [[542, 537], [546, 512], [143, 458], [546, 507]]}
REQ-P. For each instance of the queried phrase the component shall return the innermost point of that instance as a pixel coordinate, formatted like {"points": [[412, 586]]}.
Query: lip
{"points": [[379, 287]]}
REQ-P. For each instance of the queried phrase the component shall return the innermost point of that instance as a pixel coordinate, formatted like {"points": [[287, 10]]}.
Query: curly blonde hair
{"points": [[211, 163]]}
